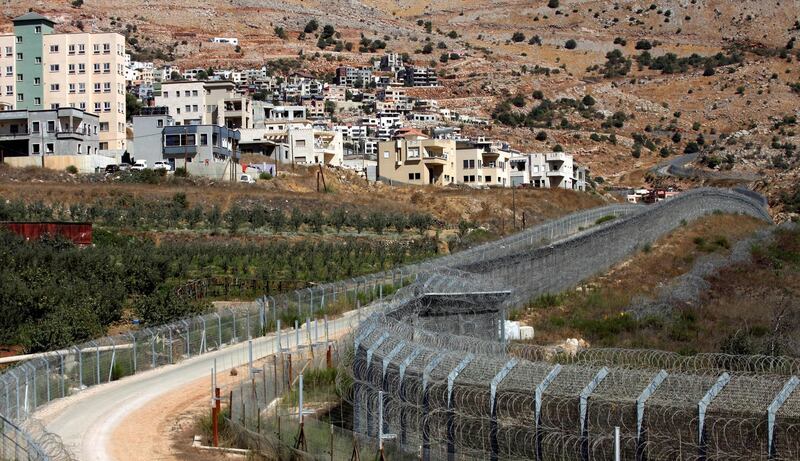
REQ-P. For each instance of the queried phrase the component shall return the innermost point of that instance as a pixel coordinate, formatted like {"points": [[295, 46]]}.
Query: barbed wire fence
{"points": [[37, 381], [431, 365]]}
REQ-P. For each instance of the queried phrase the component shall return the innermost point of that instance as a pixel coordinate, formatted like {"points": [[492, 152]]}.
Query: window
{"points": [[81, 88], [71, 68], [51, 126], [9, 51], [37, 60], [469, 164], [488, 179], [414, 176], [97, 87], [413, 152], [55, 87], [97, 107], [37, 81], [36, 126], [81, 68], [103, 146], [19, 56], [9, 90], [81, 48], [194, 92], [97, 68], [36, 149], [37, 30], [194, 108], [9, 71], [19, 77], [54, 48], [72, 88], [37, 101], [96, 48], [160, 123], [203, 139], [71, 49], [20, 97], [103, 126], [178, 109], [186, 93], [175, 140], [165, 94], [82, 106], [107, 87], [54, 68], [300, 143], [106, 48], [19, 38], [106, 68], [188, 108], [106, 107]]}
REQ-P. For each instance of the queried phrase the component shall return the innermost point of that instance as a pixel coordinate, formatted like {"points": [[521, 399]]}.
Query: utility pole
{"points": [[514, 206]]}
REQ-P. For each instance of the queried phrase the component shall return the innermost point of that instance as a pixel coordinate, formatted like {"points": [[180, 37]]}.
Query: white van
{"points": [[139, 165], [246, 178]]}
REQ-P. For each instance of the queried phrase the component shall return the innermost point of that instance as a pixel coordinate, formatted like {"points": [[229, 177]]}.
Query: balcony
{"points": [[555, 157], [8, 136], [556, 172], [79, 134]]}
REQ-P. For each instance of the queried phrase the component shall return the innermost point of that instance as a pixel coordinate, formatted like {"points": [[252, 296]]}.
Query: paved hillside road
{"points": [[86, 421]]}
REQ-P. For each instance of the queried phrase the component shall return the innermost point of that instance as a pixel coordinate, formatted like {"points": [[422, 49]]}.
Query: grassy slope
{"points": [[597, 313]]}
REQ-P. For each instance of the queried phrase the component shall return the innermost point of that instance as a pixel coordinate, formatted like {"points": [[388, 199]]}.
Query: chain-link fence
{"points": [[432, 367], [58, 374], [533, 261]]}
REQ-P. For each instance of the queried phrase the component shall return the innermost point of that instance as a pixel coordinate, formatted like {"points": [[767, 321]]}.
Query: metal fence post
{"points": [[539, 396], [133, 338], [712, 393], [80, 368], [493, 429], [641, 431], [451, 431]]}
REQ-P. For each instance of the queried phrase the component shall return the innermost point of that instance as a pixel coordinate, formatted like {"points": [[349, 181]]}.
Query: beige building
{"points": [[413, 158], [87, 72], [483, 163], [7, 72], [206, 103]]}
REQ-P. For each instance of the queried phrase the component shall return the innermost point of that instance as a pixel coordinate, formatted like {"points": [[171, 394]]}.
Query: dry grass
{"points": [[297, 188], [597, 314]]}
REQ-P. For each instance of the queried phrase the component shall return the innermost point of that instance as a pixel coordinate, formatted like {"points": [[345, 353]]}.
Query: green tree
{"points": [[132, 106]]}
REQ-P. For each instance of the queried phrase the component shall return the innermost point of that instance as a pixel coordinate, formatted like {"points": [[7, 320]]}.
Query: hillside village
{"points": [[317, 84]]}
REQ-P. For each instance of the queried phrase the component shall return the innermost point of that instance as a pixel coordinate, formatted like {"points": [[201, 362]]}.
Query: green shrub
{"points": [[266, 176], [72, 169], [606, 218]]}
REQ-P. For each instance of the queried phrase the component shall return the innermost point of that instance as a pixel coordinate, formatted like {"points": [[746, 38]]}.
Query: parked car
{"points": [[160, 165], [111, 169], [124, 166], [246, 178], [139, 165]]}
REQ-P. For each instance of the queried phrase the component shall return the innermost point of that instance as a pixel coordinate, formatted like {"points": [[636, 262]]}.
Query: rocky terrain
{"points": [[735, 100]]}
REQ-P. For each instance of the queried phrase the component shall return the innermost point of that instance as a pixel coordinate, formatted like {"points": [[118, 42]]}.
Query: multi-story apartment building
{"points": [[8, 75], [206, 103], [413, 158], [390, 62], [63, 131], [353, 76], [417, 76], [483, 163], [85, 71], [295, 145], [548, 170], [186, 102]]}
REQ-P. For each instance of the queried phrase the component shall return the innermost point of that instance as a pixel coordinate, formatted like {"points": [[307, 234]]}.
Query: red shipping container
{"points": [[78, 233]]}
